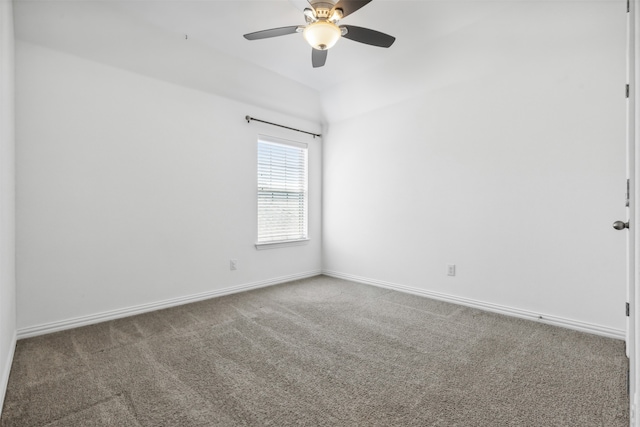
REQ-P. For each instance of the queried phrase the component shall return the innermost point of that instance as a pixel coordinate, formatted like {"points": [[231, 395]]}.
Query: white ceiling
{"points": [[111, 26]]}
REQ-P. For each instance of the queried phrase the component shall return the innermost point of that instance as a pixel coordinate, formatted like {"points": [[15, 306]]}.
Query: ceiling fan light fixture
{"points": [[322, 35]]}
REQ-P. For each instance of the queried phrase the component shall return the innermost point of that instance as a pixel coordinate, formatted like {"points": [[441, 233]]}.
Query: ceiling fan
{"points": [[322, 30]]}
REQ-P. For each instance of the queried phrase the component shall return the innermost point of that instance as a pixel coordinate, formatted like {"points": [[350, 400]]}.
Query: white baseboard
{"points": [[76, 322], [6, 371], [143, 308], [495, 308]]}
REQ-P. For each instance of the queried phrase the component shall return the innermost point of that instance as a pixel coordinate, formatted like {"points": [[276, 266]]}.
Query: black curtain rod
{"points": [[249, 118]]}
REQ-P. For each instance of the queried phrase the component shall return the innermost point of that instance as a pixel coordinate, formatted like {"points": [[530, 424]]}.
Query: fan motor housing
{"points": [[322, 4]]}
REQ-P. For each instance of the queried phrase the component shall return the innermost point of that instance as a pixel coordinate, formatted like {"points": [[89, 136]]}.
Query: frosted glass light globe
{"points": [[322, 35]]}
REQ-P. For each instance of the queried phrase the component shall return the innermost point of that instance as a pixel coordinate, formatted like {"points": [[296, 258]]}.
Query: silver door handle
{"points": [[619, 225]]}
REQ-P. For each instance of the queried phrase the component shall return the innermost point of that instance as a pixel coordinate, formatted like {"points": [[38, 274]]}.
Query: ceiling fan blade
{"points": [[367, 36], [318, 57], [348, 6], [273, 32]]}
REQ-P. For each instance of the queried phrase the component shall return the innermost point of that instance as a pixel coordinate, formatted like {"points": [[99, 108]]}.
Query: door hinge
{"points": [[627, 309], [627, 91], [628, 195], [628, 382]]}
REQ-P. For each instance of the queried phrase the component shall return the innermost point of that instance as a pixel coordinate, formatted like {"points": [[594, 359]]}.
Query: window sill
{"points": [[273, 245]]}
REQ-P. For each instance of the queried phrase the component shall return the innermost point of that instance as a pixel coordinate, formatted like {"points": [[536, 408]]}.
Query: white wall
{"points": [[500, 149], [7, 197], [132, 191]]}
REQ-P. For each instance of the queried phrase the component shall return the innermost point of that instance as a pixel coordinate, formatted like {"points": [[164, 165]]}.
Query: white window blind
{"points": [[282, 190]]}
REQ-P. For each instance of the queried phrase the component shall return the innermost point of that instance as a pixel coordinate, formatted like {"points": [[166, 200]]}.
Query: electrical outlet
{"points": [[451, 269], [233, 264]]}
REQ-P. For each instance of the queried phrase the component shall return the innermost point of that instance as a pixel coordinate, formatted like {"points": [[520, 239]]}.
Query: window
{"points": [[282, 191]]}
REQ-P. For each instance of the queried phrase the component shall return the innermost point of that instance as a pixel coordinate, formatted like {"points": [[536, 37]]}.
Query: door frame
{"points": [[633, 159]]}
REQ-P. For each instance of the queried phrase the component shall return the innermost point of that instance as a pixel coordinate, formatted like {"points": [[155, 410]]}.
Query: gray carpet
{"points": [[318, 352]]}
